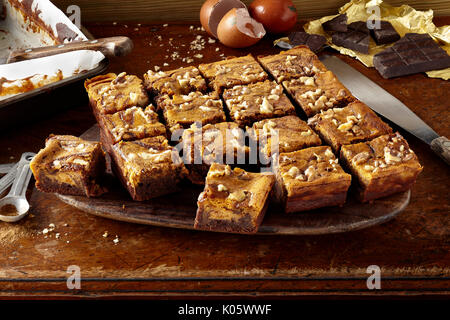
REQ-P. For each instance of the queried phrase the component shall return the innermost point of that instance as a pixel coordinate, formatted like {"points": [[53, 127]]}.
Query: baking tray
{"points": [[36, 23], [67, 93]]}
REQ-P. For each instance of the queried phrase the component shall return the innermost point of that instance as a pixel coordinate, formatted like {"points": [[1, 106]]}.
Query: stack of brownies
{"points": [[220, 105]]}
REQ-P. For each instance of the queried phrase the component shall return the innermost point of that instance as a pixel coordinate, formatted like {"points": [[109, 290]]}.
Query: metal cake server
{"points": [[16, 196], [387, 105]]}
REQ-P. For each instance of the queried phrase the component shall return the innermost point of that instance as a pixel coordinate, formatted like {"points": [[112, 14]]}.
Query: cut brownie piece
{"points": [[354, 123], [221, 143], [286, 133], [385, 33], [131, 124], [309, 178], [295, 63], [411, 54], [69, 165], [383, 166], [233, 200], [319, 92], [148, 168], [357, 37], [257, 101], [181, 111], [338, 23], [110, 93], [179, 81], [231, 72]]}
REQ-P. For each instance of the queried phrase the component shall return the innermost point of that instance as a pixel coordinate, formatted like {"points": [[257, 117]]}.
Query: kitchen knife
{"points": [[387, 105]]}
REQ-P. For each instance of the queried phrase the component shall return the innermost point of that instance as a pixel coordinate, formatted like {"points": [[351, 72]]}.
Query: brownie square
{"points": [[352, 124], [383, 166], [294, 63], [257, 101], [309, 178], [221, 143], [69, 165], [181, 111], [233, 200], [179, 81], [110, 93], [286, 133], [231, 72], [319, 92], [131, 124], [148, 168]]}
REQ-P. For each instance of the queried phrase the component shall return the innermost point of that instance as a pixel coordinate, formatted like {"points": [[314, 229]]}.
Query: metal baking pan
{"points": [[28, 24], [54, 97]]}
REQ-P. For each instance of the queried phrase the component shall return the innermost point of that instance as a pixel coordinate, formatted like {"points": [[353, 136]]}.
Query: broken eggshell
{"points": [[213, 11], [238, 30]]}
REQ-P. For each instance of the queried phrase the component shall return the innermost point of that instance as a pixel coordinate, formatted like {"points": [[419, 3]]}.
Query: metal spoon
{"points": [[16, 195]]}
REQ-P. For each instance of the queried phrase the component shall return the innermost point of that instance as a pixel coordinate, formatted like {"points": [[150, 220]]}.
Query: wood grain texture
{"points": [[188, 10], [412, 250]]}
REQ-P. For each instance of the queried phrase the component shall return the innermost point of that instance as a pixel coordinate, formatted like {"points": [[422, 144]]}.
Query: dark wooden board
{"points": [[178, 210]]}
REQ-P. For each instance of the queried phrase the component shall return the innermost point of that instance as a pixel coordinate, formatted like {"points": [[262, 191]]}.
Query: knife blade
{"points": [[386, 105]]}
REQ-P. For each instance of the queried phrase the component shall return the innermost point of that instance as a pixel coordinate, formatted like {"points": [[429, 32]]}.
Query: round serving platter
{"points": [[178, 210]]}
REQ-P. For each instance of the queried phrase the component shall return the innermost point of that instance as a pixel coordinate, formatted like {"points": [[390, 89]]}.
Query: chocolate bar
{"points": [[413, 53], [338, 24], [385, 33], [356, 38], [314, 41]]}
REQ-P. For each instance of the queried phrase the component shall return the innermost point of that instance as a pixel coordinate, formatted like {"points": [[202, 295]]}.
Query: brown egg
{"points": [[277, 16], [238, 30], [213, 11]]}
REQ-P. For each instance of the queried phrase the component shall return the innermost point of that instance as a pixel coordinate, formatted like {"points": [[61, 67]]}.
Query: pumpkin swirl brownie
{"points": [[130, 124], [318, 92], [257, 101], [148, 168], [309, 178], [181, 111], [231, 72], [221, 142], [383, 166], [233, 200], [288, 133], [110, 93], [352, 124], [69, 165], [179, 81], [292, 64]]}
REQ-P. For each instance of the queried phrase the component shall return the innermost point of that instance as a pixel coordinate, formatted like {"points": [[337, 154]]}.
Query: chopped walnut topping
{"points": [[221, 188], [266, 106], [306, 133], [361, 157], [238, 196]]}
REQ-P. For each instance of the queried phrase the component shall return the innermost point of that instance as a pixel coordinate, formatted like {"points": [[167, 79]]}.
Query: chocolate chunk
{"points": [[338, 24], [356, 38], [314, 41], [413, 53], [385, 33]]}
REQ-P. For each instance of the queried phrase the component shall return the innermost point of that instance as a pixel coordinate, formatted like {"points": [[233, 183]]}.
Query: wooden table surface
{"points": [[412, 250]]}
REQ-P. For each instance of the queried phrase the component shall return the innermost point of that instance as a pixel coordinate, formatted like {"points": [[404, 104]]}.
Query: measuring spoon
{"points": [[16, 195]]}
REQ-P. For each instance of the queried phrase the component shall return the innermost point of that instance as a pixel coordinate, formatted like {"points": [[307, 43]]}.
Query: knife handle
{"points": [[114, 46], [441, 146]]}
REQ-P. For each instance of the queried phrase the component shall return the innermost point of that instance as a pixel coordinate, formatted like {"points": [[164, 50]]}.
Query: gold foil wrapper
{"points": [[404, 19]]}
